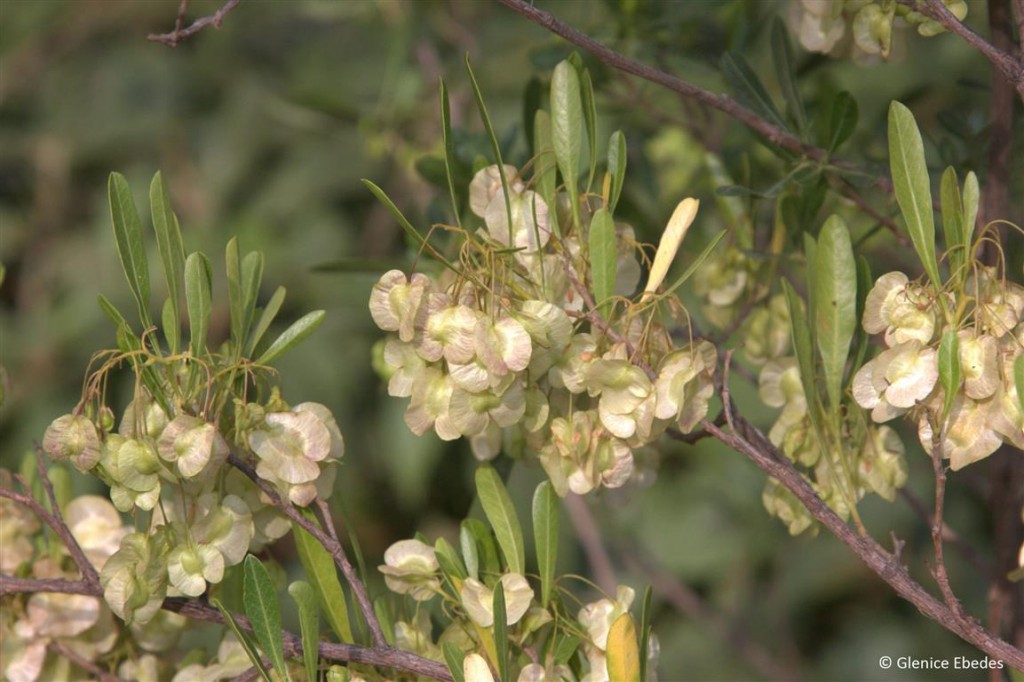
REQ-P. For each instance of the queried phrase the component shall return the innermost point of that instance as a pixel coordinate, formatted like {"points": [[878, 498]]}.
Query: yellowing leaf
{"points": [[676, 229], [623, 652]]}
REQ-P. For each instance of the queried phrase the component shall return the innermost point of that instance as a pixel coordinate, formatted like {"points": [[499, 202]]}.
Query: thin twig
{"points": [[939, 570], [329, 543], [178, 34], [883, 563]]}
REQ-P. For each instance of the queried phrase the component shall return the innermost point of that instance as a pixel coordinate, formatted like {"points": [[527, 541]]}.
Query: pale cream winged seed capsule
{"points": [[676, 229]]}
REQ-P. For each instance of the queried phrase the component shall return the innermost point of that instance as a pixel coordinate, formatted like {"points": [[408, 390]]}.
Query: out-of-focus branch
{"points": [[689, 603], [590, 538], [178, 34]]}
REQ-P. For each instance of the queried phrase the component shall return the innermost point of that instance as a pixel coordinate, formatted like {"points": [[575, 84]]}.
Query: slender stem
{"points": [[68, 653], [329, 543], [939, 570], [178, 34]]}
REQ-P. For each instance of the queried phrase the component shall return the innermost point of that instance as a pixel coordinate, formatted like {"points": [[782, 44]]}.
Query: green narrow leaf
{"points": [[453, 659], [861, 338], [566, 647], [381, 607], [1018, 379], [589, 123], [172, 253], [451, 564], [322, 574], [810, 256], [623, 652], [502, 516], [128, 238], [266, 318], [532, 96], [645, 631], [264, 612], [566, 127], [500, 631], [470, 554], [419, 239], [449, 152], [484, 547], [697, 262], [949, 369], [545, 170], [495, 146], [970, 204], [616, 167], [198, 296], [309, 626], [785, 71], [603, 259], [233, 262], [252, 277], [912, 186], [802, 344], [169, 321], [111, 311], [293, 335], [545, 536], [835, 286], [748, 88], [842, 120], [244, 640], [952, 222]]}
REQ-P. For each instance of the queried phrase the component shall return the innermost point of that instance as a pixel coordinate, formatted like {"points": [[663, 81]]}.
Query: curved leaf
{"points": [[616, 167], [291, 336], [623, 652], [842, 120]]}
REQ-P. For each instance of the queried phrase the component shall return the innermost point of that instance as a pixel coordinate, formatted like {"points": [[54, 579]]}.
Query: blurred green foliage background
{"points": [[263, 129]]}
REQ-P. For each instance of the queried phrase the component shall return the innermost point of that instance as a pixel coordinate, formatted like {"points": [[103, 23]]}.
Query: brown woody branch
{"points": [[722, 103], [749, 441], [178, 34], [1011, 66], [195, 609]]}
